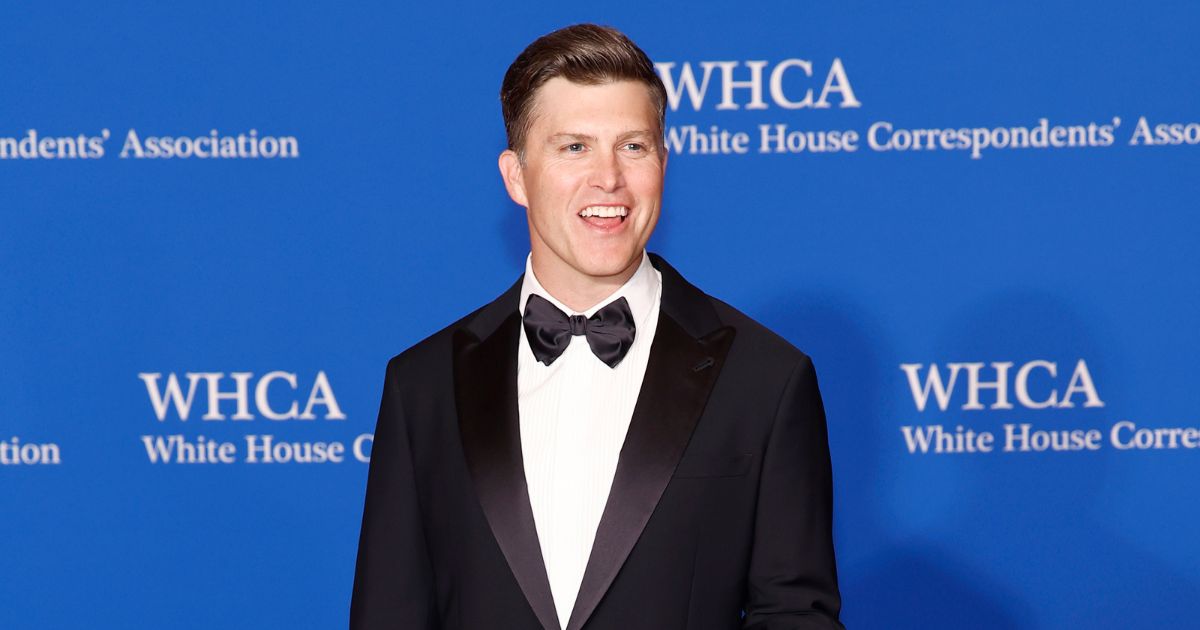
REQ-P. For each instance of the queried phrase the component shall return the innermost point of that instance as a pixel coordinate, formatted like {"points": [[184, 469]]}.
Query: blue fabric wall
{"points": [[389, 220]]}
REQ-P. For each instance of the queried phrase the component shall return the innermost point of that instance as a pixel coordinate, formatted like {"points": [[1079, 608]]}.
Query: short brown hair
{"points": [[587, 54]]}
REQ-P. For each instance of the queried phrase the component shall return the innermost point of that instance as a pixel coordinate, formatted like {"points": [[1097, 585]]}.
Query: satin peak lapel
{"points": [[680, 373], [485, 389]]}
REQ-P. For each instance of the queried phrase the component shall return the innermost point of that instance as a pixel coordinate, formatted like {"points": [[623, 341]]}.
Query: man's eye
{"points": [[574, 147], [635, 146]]}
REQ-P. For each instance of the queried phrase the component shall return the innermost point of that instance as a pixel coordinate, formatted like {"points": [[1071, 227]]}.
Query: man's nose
{"points": [[606, 172]]}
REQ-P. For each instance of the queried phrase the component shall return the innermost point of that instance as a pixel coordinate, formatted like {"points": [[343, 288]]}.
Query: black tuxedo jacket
{"points": [[719, 516]]}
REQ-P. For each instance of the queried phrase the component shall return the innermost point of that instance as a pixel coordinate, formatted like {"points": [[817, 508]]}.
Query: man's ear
{"points": [[513, 174]]}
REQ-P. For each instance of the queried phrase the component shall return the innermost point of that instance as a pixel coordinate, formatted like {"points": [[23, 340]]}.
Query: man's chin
{"points": [[612, 266]]}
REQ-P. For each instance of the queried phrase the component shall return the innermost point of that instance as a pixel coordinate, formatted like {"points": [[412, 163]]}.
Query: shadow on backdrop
{"points": [[888, 580]]}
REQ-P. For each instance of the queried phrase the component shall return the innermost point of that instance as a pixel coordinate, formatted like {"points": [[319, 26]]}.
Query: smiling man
{"points": [[604, 445], [589, 169]]}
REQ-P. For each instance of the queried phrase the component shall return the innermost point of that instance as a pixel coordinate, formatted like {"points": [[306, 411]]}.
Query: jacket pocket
{"points": [[700, 465]]}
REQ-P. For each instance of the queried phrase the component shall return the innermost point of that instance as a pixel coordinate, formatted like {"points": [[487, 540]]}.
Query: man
{"points": [[604, 445]]}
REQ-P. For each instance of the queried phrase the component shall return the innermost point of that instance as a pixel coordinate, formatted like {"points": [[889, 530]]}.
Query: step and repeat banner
{"points": [[219, 220]]}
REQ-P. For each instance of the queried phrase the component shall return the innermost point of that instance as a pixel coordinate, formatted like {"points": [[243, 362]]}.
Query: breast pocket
{"points": [[700, 465]]}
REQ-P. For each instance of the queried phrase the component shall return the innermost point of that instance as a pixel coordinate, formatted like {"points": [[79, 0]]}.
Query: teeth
{"points": [[604, 211]]}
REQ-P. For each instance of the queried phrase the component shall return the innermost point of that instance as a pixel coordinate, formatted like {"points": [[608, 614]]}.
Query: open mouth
{"points": [[604, 216]]}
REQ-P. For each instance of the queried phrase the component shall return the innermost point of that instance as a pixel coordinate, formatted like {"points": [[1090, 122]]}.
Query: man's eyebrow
{"points": [[558, 137]]}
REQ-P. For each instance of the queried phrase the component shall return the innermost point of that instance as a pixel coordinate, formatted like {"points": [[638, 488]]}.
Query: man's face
{"points": [[591, 181]]}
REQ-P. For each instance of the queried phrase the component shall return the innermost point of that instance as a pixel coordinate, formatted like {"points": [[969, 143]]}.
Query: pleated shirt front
{"points": [[574, 415]]}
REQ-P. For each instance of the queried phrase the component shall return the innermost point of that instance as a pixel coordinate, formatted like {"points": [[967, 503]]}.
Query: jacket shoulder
{"points": [[436, 349], [765, 345], [755, 347], [432, 351]]}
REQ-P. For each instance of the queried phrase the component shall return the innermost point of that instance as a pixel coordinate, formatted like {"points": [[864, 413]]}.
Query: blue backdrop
{"points": [[1006, 237]]}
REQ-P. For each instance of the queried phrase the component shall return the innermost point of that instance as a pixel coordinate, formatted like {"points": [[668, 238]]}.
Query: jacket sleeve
{"points": [[792, 581], [393, 579]]}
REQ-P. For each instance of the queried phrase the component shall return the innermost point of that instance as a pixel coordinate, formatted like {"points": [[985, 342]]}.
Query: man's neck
{"points": [[579, 291]]}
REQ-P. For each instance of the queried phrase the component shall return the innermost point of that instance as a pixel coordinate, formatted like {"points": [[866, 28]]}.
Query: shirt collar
{"points": [[641, 291]]}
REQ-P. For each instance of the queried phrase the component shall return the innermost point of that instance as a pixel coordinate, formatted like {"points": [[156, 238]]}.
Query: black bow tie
{"points": [[609, 332]]}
